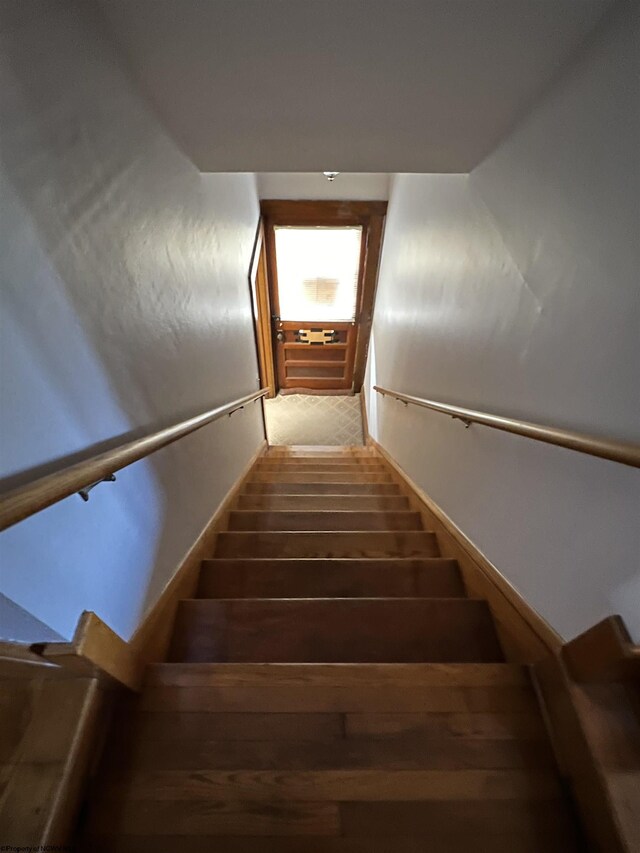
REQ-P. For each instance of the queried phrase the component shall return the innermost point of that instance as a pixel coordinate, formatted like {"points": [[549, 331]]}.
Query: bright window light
{"points": [[318, 272]]}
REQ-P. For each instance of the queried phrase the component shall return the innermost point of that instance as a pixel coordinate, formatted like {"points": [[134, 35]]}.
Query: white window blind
{"points": [[318, 272]]}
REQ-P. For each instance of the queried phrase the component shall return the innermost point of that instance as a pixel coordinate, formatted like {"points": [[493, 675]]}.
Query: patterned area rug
{"points": [[312, 419]]}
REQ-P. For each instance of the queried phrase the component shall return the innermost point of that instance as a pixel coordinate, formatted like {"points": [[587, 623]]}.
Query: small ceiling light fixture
{"points": [[331, 176]]}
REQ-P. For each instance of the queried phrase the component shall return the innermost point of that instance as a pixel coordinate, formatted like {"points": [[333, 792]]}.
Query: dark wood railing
{"points": [[617, 451], [29, 499]]}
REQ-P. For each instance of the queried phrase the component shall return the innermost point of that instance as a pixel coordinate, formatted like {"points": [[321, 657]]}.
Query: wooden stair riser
{"points": [[318, 477], [334, 543], [345, 470], [528, 840], [160, 726], [336, 630], [358, 702], [351, 488], [352, 503], [323, 451], [367, 465], [402, 752], [324, 459], [324, 520], [345, 677], [329, 578]]}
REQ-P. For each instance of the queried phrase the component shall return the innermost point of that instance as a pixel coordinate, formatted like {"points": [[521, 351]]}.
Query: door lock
{"points": [[280, 337]]}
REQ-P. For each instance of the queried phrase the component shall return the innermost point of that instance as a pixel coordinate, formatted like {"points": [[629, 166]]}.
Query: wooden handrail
{"points": [[29, 499], [617, 451]]}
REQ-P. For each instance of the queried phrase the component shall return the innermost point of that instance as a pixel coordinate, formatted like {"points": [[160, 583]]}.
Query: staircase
{"points": [[330, 690]]}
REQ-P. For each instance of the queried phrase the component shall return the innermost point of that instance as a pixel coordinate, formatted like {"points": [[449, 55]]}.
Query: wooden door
{"points": [[315, 356], [322, 261], [261, 309]]}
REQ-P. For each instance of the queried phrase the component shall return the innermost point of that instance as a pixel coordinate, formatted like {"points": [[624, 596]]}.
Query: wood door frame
{"points": [[370, 216], [261, 309]]}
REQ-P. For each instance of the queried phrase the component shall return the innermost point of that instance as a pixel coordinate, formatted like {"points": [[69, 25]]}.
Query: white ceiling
{"points": [[350, 85]]}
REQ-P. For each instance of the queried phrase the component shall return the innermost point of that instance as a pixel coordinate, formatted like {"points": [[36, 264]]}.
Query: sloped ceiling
{"points": [[348, 85]]}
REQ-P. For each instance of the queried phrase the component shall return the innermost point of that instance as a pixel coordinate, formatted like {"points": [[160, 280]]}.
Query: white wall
{"points": [[125, 307], [21, 627], [515, 290], [349, 186], [351, 85]]}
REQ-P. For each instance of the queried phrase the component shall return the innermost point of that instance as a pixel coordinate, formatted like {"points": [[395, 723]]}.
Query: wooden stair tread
{"points": [[333, 543], [506, 787], [319, 476], [402, 752], [315, 488], [323, 727], [524, 842], [331, 690], [319, 450], [362, 466], [392, 503], [336, 629], [339, 675], [317, 577], [329, 519], [349, 461]]}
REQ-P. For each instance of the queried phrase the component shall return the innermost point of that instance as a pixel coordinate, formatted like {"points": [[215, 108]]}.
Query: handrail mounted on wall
{"points": [[617, 451], [29, 499]]}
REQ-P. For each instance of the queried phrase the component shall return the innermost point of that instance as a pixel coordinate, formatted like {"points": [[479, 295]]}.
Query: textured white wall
{"points": [[363, 186], [515, 290], [21, 627], [353, 85], [125, 307]]}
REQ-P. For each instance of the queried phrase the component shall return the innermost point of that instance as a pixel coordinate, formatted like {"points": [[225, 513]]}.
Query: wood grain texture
{"points": [[504, 786], [340, 844], [596, 735], [605, 652], [400, 752], [370, 283], [49, 731], [396, 676], [333, 689], [25, 661], [217, 817], [275, 459], [298, 451], [334, 578], [355, 503], [261, 307], [333, 543], [348, 629], [97, 651], [337, 488], [319, 476], [342, 467], [324, 520]]}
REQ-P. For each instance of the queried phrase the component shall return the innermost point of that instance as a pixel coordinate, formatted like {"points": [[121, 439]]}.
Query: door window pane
{"points": [[318, 272]]}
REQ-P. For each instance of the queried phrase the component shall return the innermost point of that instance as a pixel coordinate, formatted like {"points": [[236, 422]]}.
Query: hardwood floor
{"points": [[332, 689]]}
